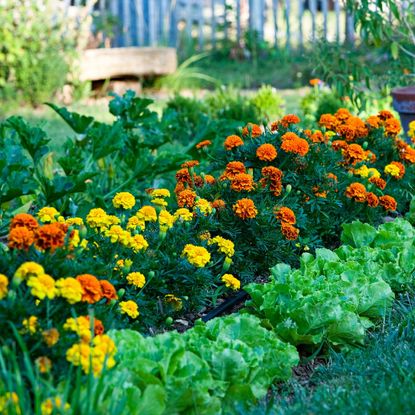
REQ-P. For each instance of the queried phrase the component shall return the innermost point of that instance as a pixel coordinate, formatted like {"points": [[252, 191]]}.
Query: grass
{"points": [[378, 379]]}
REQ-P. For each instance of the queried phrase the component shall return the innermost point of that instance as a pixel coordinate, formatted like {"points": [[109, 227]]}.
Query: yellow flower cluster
{"points": [[159, 196], [123, 200], [4, 283], [94, 356], [98, 219], [9, 404], [81, 326], [411, 131], [54, 406], [231, 282], [130, 308], [166, 220], [183, 214], [203, 206], [49, 215], [364, 171], [42, 286], [70, 289], [174, 301], [30, 324], [117, 234], [28, 269], [137, 279], [392, 170], [196, 255], [225, 246]]}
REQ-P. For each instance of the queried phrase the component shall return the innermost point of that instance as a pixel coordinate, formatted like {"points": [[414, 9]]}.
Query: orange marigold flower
{"points": [[317, 137], [370, 156], [51, 236], [254, 129], [348, 132], [189, 164], [286, 215], [378, 182], [179, 188], [392, 127], [232, 169], [198, 180], [315, 81], [24, 220], [233, 141], [329, 121], [108, 290], [319, 193], [297, 146], [20, 238], [339, 145], [407, 153], [290, 232], [98, 326], [242, 182], [332, 176], [203, 144], [275, 187], [266, 152], [388, 203], [359, 127], [183, 176], [354, 153], [401, 168], [372, 200], [272, 172], [245, 209], [357, 192], [218, 204], [289, 119], [373, 121], [186, 198], [307, 133], [385, 115], [92, 288], [209, 179], [342, 114]]}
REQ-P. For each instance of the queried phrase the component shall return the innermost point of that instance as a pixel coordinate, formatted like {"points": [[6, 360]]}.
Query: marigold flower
{"points": [[117, 234], [242, 182], [395, 169], [70, 289], [159, 201], [42, 286], [29, 269], [388, 203], [385, 115], [108, 290], [149, 213], [329, 121], [392, 127], [203, 144], [130, 308], [189, 164], [83, 328], [98, 218], [137, 279], [266, 152], [183, 176], [232, 142], [378, 182], [50, 236], [272, 172], [50, 337], [44, 364], [160, 193], [315, 82], [24, 220], [231, 282], [30, 324], [296, 145], [373, 121], [47, 214], [407, 153], [357, 192], [123, 200], [218, 204], [232, 169], [54, 405], [136, 221], [174, 301], [339, 145], [209, 179], [4, 283], [138, 243], [183, 214], [285, 214], [354, 153], [342, 114], [290, 232], [289, 119], [245, 209], [332, 176], [203, 206], [225, 246], [197, 256], [372, 200], [317, 137], [346, 131], [186, 198], [166, 220], [92, 288], [74, 221], [254, 129], [20, 238]]}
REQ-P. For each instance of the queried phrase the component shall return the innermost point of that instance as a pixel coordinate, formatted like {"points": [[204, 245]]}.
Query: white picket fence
{"points": [[209, 23]]}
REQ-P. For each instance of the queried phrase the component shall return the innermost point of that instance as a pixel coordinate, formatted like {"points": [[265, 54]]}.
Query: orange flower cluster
{"points": [[272, 176], [287, 218], [232, 169], [357, 192], [245, 209], [289, 119], [378, 182], [254, 129], [291, 143], [242, 182], [233, 141], [388, 203], [354, 154], [94, 290], [266, 152], [406, 152], [203, 144], [186, 198]]}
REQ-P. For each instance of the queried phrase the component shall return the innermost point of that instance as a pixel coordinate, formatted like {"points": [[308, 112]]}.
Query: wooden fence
{"points": [[206, 24]]}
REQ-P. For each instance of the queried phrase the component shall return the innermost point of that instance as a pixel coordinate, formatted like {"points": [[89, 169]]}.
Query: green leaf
{"points": [[79, 123], [358, 234]]}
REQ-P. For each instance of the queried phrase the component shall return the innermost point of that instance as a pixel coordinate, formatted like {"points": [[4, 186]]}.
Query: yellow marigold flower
{"points": [[137, 279], [4, 283], [130, 308], [28, 269], [117, 234], [48, 214], [362, 171], [372, 172], [42, 286], [98, 218], [204, 206], [75, 239], [30, 324], [184, 214], [159, 201], [149, 213], [80, 355], [138, 243], [174, 301], [9, 404], [392, 170], [103, 353], [121, 263], [160, 193], [231, 282], [123, 200], [50, 337], [225, 246], [136, 222], [166, 220], [70, 289], [198, 256], [81, 326], [54, 405], [74, 221], [44, 364], [204, 236]]}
